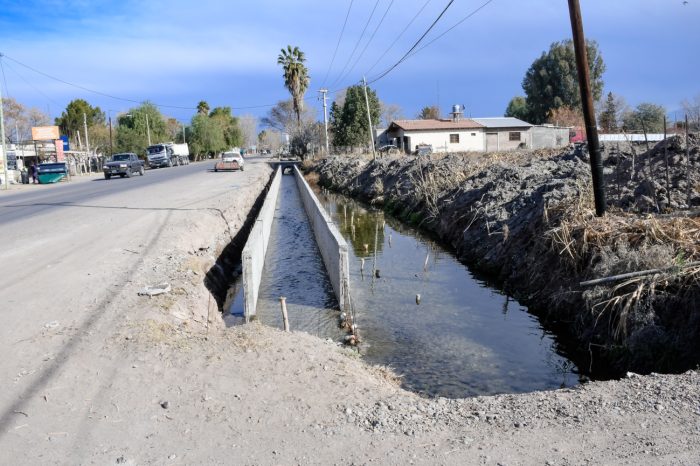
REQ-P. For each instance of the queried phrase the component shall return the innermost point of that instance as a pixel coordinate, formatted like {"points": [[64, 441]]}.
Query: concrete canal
{"points": [[464, 338]]}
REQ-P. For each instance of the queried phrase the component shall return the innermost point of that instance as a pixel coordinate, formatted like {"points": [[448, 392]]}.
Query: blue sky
{"points": [[180, 52]]}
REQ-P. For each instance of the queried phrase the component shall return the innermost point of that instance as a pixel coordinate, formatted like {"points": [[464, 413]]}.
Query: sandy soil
{"points": [[96, 374]]}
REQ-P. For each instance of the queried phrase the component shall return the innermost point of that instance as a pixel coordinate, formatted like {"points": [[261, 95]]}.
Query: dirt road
{"points": [[92, 373]]}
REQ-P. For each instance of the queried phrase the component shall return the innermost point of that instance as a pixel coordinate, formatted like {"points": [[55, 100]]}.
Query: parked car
{"points": [[123, 165], [230, 161], [388, 149], [423, 149]]}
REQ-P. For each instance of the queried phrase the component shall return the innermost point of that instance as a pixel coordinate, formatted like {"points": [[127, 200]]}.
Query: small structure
{"points": [[505, 133]]}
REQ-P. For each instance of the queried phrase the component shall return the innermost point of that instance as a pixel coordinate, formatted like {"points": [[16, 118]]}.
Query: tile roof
{"points": [[426, 125]]}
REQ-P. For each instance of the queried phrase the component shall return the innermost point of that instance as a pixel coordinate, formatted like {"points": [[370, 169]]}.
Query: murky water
{"points": [[463, 339]]}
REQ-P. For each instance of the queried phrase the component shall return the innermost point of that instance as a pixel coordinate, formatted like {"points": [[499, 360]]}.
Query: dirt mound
{"points": [[527, 219]]}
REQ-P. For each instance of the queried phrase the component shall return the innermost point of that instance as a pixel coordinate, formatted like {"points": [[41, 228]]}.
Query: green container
{"points": [[52, 172]]}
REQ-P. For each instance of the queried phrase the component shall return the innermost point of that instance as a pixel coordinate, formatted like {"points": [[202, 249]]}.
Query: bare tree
{"points": [[692, 109], [249, 128], [390, 112]]}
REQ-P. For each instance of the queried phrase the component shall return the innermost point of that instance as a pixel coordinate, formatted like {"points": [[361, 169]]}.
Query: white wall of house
{"points": [[499, 139], [470, 140]]}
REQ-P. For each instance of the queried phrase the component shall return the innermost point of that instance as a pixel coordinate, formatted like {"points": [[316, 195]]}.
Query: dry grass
{"points": [[620, 243]]}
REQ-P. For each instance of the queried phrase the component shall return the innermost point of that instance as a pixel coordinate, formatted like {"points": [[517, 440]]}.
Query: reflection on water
{"points": [[294, 269], [464, 338]]}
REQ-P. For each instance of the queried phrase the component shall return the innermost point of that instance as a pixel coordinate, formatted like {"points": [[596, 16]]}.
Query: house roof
{"points": [[502, 122], [427, 125]]}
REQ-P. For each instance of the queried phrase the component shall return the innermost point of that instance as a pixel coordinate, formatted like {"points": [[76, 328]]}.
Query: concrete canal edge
{"points": [[331, 244], [253, 255]]}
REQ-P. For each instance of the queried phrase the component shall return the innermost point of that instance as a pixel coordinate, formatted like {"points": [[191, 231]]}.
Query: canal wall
{"points": [[253, 255], [526, 220], [331, 244]]}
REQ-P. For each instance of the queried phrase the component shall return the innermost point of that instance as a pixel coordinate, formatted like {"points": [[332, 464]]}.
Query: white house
{"points": [[456, 135]]}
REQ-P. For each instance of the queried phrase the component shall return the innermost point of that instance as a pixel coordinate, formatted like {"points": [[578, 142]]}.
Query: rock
{"points": [[165, 404]]}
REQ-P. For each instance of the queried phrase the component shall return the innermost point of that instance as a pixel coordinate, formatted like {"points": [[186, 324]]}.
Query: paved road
{"points": [[66, 252]]}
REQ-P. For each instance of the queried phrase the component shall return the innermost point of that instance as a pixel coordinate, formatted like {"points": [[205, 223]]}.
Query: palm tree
{"points": [[296, 76], [203, 107]]}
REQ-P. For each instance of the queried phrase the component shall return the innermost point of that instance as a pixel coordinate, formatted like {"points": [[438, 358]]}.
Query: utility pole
{"points": [[2, 135], [148, 130], [184, 135], [584, 81], [369, 119], [325, 117], [87, 143], [111, 148], [21, 147]]}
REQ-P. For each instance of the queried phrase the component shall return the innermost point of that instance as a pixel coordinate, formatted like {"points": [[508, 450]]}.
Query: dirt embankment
{"points": [[527, 220]]}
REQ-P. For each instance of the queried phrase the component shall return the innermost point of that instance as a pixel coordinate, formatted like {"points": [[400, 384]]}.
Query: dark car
{"points": [[123, 165]]}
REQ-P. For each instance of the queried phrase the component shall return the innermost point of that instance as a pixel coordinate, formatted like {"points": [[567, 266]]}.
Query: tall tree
{"points": [[645, 117], [608, 117], [71, 120], [692, 109], [228, 124], [203, 108], [134, 126], [517, 108], [349, 123], [296, 76], [429, 113], [551, 81], [249, 129], [207, 136]]}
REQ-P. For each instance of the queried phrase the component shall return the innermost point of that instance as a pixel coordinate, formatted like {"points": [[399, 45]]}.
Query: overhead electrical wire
{"points": [[357, 44], [398, 37], [357, 60], [452, 27], [30, 84], [413, 47], [340, 37]]}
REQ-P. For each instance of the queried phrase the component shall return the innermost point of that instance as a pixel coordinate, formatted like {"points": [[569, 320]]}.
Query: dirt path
{"points": [[95, 374]]}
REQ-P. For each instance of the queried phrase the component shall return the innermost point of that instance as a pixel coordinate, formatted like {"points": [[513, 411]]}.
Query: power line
{"points": [[30, 84], [91, 90], [454, 26], [398, 37], [357, 44], [340, 37], [390, 69], [357, 60]]}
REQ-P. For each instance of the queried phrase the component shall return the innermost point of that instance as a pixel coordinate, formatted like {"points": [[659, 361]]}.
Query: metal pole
{"points": [[184, 135], [2, 135], [87, 143], [325, 117], [369, 119], [148, 130], [584, 80]]}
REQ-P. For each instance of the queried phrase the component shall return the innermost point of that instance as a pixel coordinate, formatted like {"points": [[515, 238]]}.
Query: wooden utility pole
{"points": [[584, 80], [369, 119], [5, 180], [111, 148]]}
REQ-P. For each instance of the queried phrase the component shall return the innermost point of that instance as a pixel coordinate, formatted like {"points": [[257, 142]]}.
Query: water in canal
{"points": [[463, 339]]}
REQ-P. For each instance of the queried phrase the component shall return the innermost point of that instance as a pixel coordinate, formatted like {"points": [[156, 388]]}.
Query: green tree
{"points": [[233, 137], [429, 113], [517, 108], [645, 117], [608, 117], [71, 120], [206, 136], [134, 126], [349, 123], [552, 80], [296, 76], [203, 108]]}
